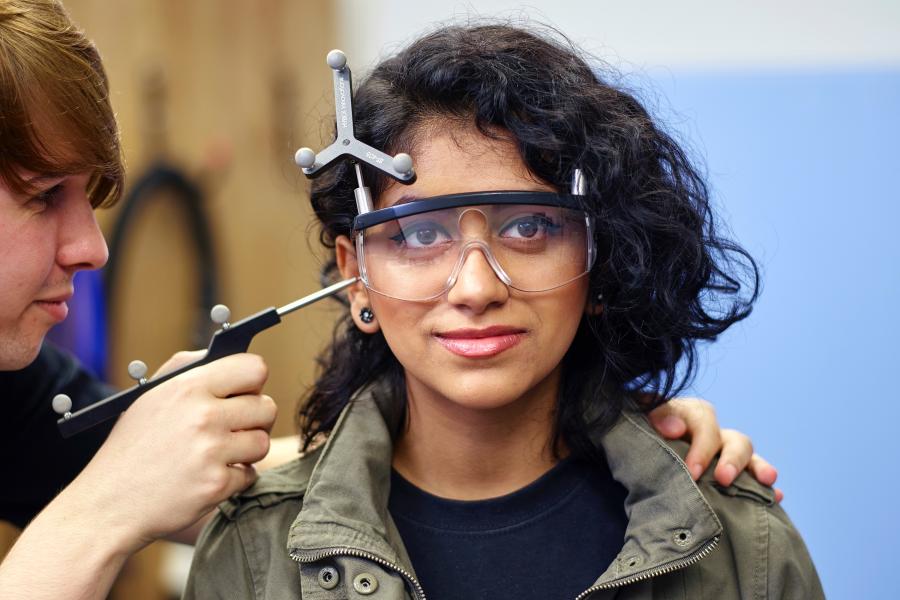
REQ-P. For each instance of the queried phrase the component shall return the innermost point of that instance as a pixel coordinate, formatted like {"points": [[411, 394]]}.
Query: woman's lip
{"points": [[486, 332], [482, 346]]}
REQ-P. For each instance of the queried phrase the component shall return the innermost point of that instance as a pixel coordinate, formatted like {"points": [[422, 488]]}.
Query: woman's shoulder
{"points": [[275, 486], [759, 542], [243, 552]]}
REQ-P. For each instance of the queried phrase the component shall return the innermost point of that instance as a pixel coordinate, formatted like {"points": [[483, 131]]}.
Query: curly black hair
{"points": [[666, 277]]}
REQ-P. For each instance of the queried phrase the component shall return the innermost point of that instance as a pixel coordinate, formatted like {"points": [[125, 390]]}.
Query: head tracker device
{"points": [[345, 145]]}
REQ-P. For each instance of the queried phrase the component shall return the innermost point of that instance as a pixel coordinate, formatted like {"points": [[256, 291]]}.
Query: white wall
{"points": [[673, 34]]}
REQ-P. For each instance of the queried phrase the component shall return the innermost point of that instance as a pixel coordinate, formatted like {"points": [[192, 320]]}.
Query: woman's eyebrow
{"points": [[404, 199]]}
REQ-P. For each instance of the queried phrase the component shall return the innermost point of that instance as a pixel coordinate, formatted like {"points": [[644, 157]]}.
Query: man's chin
{"points": [[16, 354]]}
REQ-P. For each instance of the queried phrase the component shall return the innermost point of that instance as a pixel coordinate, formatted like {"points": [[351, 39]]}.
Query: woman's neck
{"points": [[454, 451]]}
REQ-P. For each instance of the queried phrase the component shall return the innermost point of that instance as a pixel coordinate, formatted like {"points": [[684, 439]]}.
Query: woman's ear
{"points": [[360, 307], [594, 305]]}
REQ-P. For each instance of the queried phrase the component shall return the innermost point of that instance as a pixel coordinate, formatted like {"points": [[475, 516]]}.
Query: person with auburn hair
{"points": [[478, 428], [182, 447]]}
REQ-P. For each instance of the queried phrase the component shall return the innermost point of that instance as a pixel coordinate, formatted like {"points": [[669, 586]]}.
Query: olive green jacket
{"points": [[319, 527]]}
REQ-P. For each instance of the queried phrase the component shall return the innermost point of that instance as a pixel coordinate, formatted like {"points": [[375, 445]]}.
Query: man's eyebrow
{"points": [[42, 180]]}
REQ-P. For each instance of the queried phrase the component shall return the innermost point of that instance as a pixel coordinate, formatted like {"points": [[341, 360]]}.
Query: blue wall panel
{"points": [[804, 167]]}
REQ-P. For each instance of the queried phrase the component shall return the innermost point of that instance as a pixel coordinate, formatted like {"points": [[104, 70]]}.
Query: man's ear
{"points": [[360, 307]]}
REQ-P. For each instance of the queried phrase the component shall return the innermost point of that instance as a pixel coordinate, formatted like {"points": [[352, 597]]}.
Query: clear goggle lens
{"points": [[530, 247]]}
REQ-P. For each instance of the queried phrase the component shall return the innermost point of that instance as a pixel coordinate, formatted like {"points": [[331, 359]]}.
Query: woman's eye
{"points": [[425, 237], [422, 236], [528, 227]]}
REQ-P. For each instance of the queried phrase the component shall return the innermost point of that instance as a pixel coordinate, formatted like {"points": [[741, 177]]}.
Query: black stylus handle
{"points": [[231, 339], [227, 341]]}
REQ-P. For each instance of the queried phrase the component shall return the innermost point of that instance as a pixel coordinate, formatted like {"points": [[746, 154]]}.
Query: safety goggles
{"points": [[533, 241]]}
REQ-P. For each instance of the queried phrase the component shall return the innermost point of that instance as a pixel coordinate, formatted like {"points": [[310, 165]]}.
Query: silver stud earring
{"points": [[366, 315], [600, 297]]}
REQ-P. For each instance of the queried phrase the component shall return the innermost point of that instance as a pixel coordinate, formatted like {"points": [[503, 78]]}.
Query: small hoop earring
{"points": [[366, 315]]}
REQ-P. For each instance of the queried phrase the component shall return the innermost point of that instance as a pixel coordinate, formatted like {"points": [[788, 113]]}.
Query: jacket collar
{"points": [[668, 517], [345, 505]]}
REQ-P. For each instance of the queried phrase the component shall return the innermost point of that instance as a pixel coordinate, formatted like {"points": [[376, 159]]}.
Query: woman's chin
{"points": [[482, 390]]}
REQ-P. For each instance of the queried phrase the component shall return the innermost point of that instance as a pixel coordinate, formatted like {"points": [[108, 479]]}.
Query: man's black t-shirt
{"points": [[37, 461]]}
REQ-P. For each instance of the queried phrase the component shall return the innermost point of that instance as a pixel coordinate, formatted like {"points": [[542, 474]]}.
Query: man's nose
{"points": [[477, 285], [81, 243]]}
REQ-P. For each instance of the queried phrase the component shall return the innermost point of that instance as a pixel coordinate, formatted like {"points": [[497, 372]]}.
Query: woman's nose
{"points": [[477, 286]]}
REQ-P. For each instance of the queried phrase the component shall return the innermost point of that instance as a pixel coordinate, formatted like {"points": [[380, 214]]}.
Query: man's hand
{"points": [[180, 449], [695, 419]]}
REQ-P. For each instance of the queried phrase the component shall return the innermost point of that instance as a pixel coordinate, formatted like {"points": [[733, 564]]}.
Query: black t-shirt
{"points": [[37, 461], [551, 539]]}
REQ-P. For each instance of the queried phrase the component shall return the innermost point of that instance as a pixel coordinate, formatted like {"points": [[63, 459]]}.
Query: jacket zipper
{"points": [[681, 563], [330, 552], [668, 568]]}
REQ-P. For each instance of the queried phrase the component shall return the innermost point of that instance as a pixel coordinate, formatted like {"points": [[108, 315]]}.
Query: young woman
{"points": [[522, 304]]}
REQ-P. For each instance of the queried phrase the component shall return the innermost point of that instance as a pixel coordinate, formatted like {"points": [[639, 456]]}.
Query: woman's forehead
{"points": [[460, 161]]}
